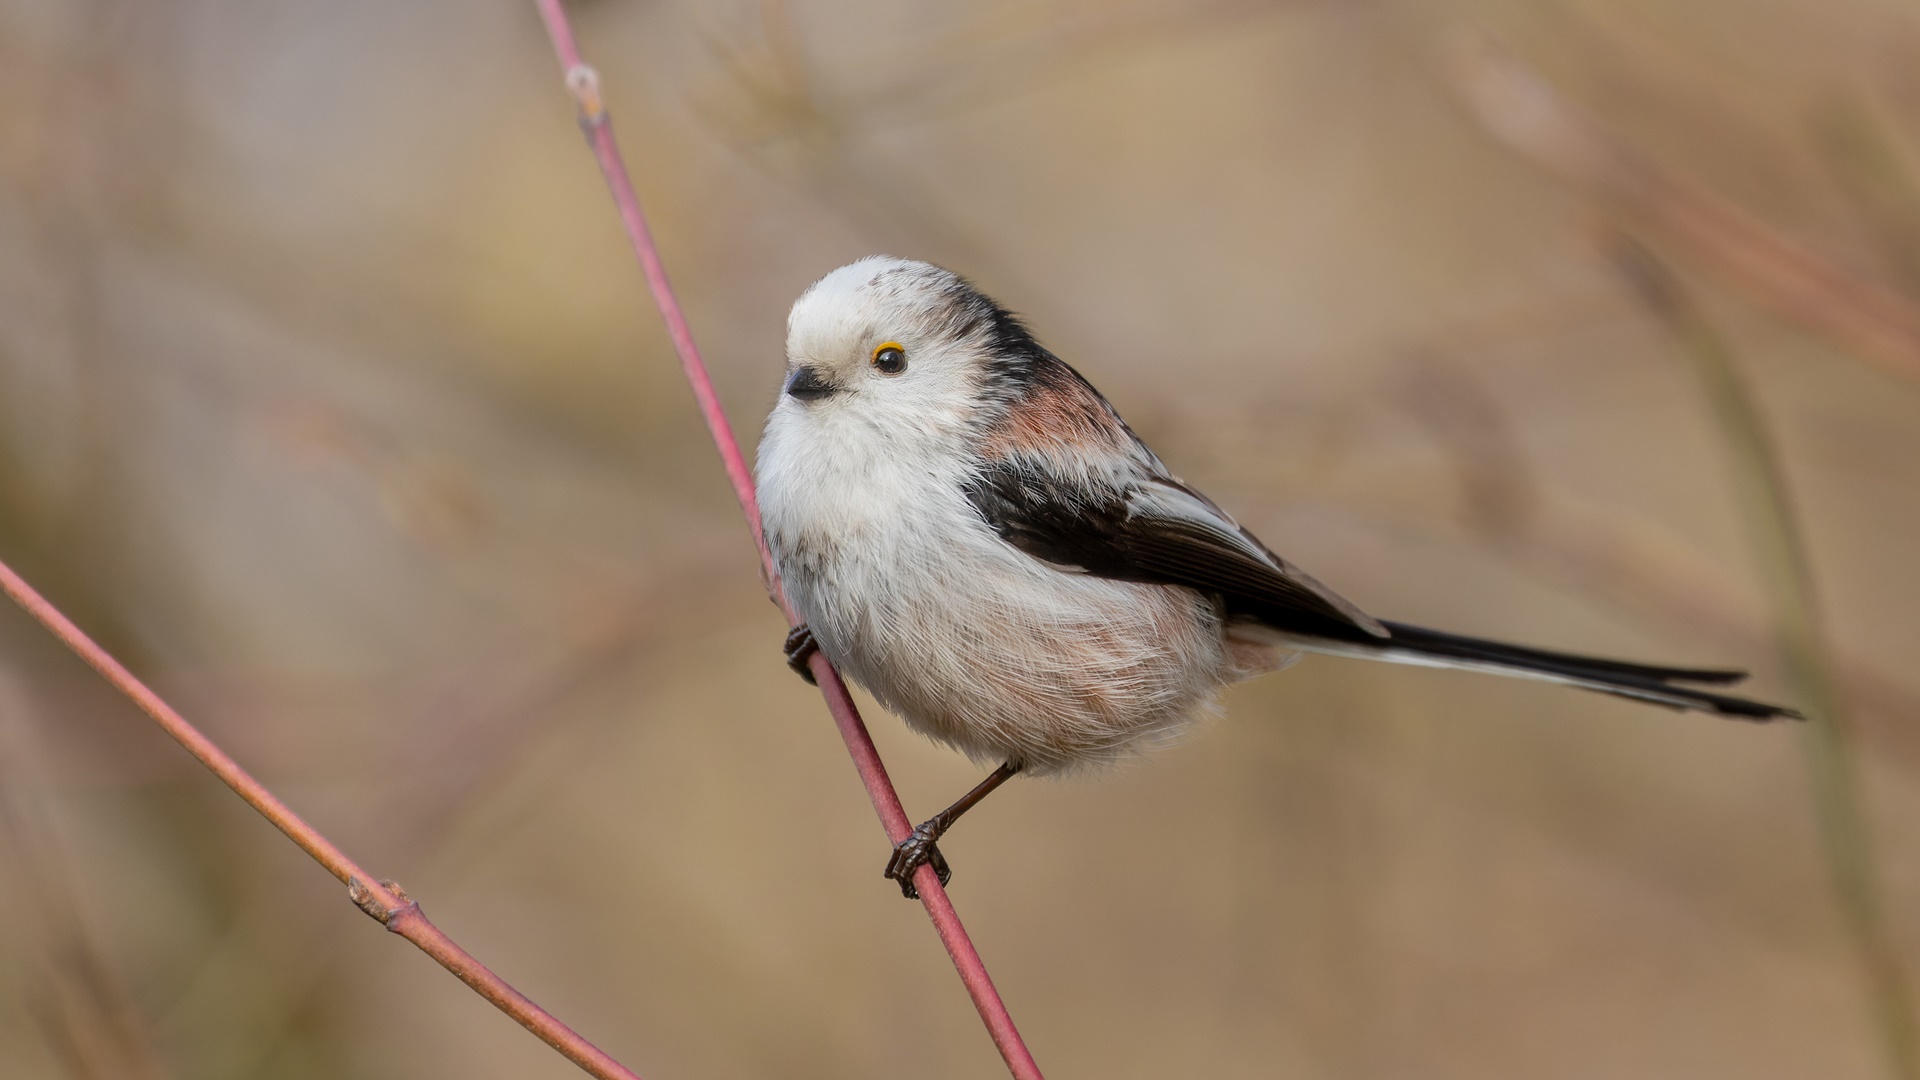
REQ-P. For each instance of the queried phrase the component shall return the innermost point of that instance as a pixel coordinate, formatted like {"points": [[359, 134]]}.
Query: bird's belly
{"points": [[978, 645]]}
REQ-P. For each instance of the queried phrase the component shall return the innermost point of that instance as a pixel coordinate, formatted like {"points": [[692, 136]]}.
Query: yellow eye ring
{"points": [[889, 358]]}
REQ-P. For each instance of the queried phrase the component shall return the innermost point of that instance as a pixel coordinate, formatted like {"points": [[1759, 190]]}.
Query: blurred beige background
{"points": [[330, 398]]}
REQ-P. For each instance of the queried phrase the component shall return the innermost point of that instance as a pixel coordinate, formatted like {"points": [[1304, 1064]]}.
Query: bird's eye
{"points": [[890, 358]]}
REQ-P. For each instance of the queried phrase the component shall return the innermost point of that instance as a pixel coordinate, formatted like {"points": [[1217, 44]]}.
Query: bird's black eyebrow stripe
{"points": [[1015, 353]]}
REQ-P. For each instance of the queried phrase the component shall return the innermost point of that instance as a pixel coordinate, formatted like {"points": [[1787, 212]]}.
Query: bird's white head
{"points": [[900, 344]]}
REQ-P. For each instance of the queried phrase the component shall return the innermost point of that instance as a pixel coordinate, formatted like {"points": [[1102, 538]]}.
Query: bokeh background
{"points": [[331, 399]]}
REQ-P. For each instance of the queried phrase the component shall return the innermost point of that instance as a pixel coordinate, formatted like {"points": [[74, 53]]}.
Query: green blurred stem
{"points": [[1767, 508]]}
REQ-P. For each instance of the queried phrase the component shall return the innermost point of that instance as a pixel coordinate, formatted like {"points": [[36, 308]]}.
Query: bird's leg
{"points": [[922, 847], [799, 648]]}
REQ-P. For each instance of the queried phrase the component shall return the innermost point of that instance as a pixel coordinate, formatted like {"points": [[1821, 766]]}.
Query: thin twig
{"points": [[384, 900], [1787, 575], [585, 85], [1522, 110]]}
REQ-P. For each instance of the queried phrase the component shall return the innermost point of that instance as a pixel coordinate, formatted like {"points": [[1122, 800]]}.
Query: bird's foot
{"points": [[799, 648], [910, 854]]}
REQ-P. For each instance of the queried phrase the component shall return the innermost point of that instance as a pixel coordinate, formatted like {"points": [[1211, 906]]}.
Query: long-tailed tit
{"points": [[974, 535]]}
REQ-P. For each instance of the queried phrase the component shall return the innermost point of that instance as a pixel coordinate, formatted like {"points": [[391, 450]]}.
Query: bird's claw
{"points": [[799, 648], [908, 856]]}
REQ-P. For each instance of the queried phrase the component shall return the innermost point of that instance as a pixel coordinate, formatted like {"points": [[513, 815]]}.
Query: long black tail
{"points": [[1642, 682]]}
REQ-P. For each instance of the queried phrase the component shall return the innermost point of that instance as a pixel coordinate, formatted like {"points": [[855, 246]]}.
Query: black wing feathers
{"points": [[1051, 521], [1117, 534]]}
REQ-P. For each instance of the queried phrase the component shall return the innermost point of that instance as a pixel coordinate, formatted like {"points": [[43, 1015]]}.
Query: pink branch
{"points": [[585, 85], [384, 900]]}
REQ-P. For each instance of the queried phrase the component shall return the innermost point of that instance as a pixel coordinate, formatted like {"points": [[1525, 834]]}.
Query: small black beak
{"points": [[806, 384]]}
